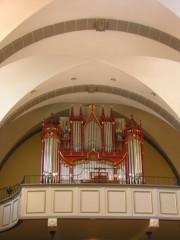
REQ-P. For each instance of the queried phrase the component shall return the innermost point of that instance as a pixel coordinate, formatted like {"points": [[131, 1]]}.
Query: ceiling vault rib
{"points": [[90, 88], [89, 24]]}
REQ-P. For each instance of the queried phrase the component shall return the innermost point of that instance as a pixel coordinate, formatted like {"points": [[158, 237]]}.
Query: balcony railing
{"points": [[150, 180], [10, 191]]}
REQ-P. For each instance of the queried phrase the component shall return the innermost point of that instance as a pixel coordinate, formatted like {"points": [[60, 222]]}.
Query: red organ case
{"points": [[92, 147]]}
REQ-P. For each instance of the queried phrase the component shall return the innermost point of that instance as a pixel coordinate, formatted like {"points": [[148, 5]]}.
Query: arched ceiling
{"points": [[122, 51]]}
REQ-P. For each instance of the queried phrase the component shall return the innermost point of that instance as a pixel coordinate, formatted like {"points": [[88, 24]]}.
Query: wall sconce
{"points": [[52, 227]]}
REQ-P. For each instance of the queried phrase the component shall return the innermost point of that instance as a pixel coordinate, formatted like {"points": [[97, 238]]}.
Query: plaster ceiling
{"points": [[50, 47], [134, 62]]}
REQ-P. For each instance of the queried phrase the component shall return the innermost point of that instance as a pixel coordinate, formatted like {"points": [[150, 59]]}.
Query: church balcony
{"points": [[159, 198]]}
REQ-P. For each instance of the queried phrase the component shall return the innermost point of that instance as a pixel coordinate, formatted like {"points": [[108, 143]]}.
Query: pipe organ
{"points": [[95, 147]]}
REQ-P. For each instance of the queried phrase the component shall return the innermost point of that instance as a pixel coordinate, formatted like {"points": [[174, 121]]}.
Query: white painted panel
{"points": [[63, 201], [36, 201], [90, 201], [142, 202], [111, 201], [168, 203], [116, 201], [15, 210], [6, 214]]}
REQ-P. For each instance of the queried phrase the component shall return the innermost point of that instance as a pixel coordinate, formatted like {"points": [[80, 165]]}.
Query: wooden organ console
{"points": [[92, 148]]}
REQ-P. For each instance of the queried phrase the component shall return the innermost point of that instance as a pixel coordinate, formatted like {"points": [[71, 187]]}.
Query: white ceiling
{"points": [[111, 60], [138, 64]]}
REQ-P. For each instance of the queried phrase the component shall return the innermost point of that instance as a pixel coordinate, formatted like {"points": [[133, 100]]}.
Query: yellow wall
{"points": [[155, 165], [26, 161]]}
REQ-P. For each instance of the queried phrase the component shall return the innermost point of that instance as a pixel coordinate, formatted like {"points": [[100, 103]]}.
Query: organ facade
{"points": [[92, 147]]}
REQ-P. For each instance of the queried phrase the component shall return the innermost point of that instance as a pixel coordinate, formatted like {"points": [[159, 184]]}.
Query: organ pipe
{"points": [[134, 141], [50, 150]]}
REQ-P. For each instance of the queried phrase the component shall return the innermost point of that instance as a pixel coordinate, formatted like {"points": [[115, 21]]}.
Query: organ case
{"points": [[92, 148]]}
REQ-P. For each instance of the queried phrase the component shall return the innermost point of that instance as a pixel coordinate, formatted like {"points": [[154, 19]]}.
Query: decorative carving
{"points": [[91, 89], [101, 25], [93, 155]]}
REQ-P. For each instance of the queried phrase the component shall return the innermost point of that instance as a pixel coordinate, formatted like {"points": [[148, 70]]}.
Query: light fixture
{"points": [[113, 79], [52, 227], [33, 91]]}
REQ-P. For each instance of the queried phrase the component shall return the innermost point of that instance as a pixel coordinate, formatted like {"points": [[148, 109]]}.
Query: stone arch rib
{"points": [[89, 24], [96, 88]]}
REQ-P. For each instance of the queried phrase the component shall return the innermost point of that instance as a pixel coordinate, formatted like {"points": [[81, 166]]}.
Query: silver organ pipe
{"points": [[85, 138], [92, 137], [110, 137], [55, 156], [134, 157], [50, 155], [99, 142], [121, 172], [134, 160], [131, 159], [46, 159], [76, 136], [78, 172], [91, 134], [106, 132], [140, 158], [79, 136], [137, 168], [64, 173], [46, 156], [110, 140]]}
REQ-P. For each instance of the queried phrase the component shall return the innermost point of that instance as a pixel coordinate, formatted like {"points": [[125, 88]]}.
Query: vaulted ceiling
{"points": [[118, 52]]}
